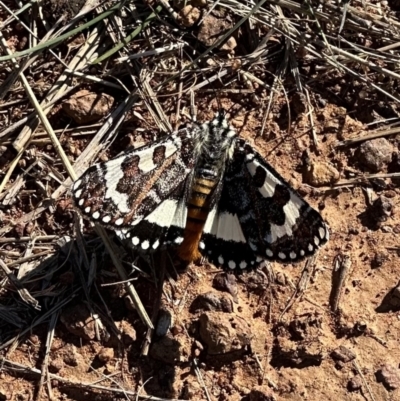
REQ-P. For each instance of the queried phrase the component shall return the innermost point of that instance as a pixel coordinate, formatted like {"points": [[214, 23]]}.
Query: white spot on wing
{"points": [[321, 232], [292, 255], [137, 221], [81, 202], [269, 253], [178, 240], [252, 246], [316, 240], [145, 244], [302, 253], [202, 245], [77, 184], [87, 209], [310, 247], [106, 219], [96, 215], [78, 193], [156, 244], [231, 264], [119, 221], [220, 260], [282, 255], [243, 264], [135, 241]]}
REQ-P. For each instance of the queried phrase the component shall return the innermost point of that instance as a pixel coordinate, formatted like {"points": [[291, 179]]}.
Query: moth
{"points": [[206, 192]]}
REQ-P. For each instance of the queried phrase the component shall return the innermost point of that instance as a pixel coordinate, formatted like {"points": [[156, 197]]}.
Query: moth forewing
{"points": [[119, 193]]}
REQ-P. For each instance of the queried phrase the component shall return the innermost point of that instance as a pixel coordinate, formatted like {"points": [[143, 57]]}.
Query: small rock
{"points": [[387, 229], [396, 229], [374, 154], [390, 194], [189, 15], [85, 106], [395, 297], [256, 281], [360, 327], [389, 376], [106, 355], [71, 356], [261, 393], [226, 282], [379, 184], [381, 210], [223, 333], [354, 384], [164, 322], [378, 259], [56, 365], [166, 350], [212, 302], [319, 174], [78, 321], [343, 354], [212, 29], [128, 332], [177, 329]]}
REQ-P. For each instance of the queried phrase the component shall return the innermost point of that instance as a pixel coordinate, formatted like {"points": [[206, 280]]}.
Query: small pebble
{"points": [[106, 354], [321, 174], [343, 354], [354, 384], [374, 154], [378, 260], [389, 376]]}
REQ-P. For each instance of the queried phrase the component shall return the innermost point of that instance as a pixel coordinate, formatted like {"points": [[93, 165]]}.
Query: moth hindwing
{"points": [[206, 192]]}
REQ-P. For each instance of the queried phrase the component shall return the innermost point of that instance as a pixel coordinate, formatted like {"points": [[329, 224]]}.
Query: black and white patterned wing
{"points": [[165, 225], [121, 192], [259, 216]]}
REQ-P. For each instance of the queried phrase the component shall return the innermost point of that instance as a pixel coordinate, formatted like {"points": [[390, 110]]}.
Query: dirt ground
{"points": [[268, 335]]}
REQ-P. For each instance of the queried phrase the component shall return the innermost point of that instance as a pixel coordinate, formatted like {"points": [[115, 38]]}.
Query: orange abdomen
{"points": [[198, 208]]}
